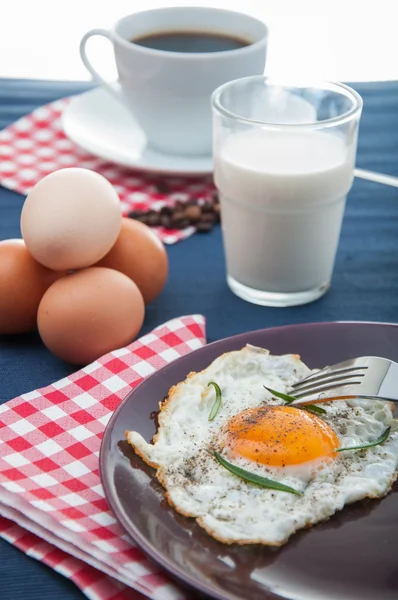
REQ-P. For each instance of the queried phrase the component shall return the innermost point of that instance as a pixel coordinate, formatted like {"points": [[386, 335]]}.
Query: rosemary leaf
{"points": [[313, 408], [288, 399], [384, 436], [254, 478], [217, 402]]}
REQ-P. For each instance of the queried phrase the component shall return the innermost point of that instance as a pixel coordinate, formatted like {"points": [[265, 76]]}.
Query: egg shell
{"points": [[23, 282], [89, 313], [71, 219], [139, 254]]}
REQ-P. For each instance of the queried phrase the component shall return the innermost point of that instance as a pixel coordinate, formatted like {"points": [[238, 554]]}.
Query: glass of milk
{"points": [[284, 158]]}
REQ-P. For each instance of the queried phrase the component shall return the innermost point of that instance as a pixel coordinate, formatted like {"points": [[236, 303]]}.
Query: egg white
{"points": [[233, 510]]}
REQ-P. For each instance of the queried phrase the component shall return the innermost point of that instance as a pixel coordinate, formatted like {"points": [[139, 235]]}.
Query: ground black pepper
{"points": [[162, 187]]}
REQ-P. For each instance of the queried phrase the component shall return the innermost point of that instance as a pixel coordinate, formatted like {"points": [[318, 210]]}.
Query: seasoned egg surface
{"points": [[262, 435]]}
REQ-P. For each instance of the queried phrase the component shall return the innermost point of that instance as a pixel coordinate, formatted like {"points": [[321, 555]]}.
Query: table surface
{"points": [[364, 286]]}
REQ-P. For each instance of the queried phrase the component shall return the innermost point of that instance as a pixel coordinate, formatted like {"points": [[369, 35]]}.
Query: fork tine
{"points": [[327, 374], [318, 389], [362, 377], [302, 386]]}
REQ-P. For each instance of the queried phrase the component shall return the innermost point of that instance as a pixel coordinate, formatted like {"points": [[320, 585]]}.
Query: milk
{"points": [[282, 202]]}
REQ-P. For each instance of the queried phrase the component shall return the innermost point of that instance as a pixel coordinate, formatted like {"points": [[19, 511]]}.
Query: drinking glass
{"points": [[284, 158]]}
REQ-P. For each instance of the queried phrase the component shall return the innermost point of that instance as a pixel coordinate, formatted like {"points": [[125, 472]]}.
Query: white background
{"points": [[346, 40]]}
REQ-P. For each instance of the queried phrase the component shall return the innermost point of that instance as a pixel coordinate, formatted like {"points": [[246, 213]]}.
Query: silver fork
{"points": [[364, 377]]}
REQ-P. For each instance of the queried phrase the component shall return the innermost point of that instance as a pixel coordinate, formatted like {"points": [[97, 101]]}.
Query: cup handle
{"points": [[112, 89]]}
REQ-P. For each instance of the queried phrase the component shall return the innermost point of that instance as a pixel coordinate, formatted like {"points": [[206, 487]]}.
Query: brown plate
{"points": [[353, 556]]}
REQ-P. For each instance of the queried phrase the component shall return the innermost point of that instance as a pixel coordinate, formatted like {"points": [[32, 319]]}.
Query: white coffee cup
{"points": [[169, 92]]}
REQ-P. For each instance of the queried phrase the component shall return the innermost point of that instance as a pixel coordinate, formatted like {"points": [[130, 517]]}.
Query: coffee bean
{"points": [[177, 218], [143, 219], [165, 221], [207, 207], [166, 210], [193, 213], [178, 214], [208, 218], [153, 218], [134, 214], [203, 227], [163, 187], [184, 223], [215, 197], [201, 212]]}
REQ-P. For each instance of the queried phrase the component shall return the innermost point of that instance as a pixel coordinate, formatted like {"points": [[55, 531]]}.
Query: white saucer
{"points": [[98, 123]]}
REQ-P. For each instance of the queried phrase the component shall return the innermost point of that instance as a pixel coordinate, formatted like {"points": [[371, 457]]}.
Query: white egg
{"points": [[261, 434], [71, 219]]}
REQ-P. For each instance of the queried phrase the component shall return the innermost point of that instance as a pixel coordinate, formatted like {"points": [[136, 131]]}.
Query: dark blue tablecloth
{"points": [[364, 287]]}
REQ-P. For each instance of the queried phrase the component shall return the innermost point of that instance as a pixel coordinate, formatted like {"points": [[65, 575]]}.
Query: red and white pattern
{"points": [[94, 584], [49, 472], [36, 145]]}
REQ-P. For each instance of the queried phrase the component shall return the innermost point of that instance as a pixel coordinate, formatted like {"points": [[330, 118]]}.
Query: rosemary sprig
{"points": [[289, 399], [217, 402], [314, 409], [254, 478], [384, 436]]}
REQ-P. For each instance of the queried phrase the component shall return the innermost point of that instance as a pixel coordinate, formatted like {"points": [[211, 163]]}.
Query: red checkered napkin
{"points": [[49, 475], [36, 145], [93, 583]]}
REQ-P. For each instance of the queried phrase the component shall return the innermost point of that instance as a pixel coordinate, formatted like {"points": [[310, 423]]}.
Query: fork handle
{"points": [[345, 397]]}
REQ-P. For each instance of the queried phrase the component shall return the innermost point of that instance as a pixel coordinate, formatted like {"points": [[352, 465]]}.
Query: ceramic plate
{"points": [[100, 124], [353, 556]]}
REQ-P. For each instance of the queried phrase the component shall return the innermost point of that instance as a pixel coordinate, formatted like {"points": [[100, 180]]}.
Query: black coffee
{"points": [[190, 41]]}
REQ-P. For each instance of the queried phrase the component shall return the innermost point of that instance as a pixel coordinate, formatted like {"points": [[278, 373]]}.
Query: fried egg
{"points": [[260, 433]]}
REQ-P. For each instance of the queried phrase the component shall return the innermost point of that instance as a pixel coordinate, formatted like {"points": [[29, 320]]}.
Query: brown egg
{"points": [[23, 282], [139, 254], [89, 313]]}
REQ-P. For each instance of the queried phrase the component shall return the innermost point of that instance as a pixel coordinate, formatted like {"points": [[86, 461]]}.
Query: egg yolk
{"points": [[280, 436]]}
